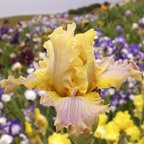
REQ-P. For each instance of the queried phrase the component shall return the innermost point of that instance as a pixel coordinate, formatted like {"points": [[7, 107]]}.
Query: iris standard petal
{"points": [[85, 46], [64, 55]]}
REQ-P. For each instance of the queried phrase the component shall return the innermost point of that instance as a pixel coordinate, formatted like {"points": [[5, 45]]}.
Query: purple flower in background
{"points": [[119, 29], [28, 112], [26, 57], [15, 128], [99, 33], [1, 91], [103, 47], [118, 47], [46, 21], [134, 49], [15, 38], [11, 127], [4, 30], [141, 22], [123, 96], [119, 42], [63, 15], [140, 66], [114, 101], [106, 42]]}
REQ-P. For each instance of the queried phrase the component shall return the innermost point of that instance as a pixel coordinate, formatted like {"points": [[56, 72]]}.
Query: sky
{"points": [[29, 7]]}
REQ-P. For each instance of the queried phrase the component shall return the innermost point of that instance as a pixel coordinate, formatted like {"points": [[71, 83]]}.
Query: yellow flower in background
{"points": [[124, 123], [28, 129], [104, 7], [139, 102], [71, 76], [142, 126], [41, 121], [103, 119], [101, 131], [123, 120], [112, 132], [108, 131], [57, 138], [133, 132], [137, 113], [38, 140], [141, 141]]}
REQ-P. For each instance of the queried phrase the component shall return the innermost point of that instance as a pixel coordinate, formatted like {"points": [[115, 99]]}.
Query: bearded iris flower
{"points": [[71, 75]]}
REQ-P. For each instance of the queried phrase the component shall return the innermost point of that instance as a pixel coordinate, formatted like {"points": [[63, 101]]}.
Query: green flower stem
{"points": [[44, 139]]}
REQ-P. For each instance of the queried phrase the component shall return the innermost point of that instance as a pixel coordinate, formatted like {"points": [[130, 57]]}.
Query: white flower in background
{"points": [[11, 30], [121, 102], [30, 95], [112, 108], [12, 56], [42, 55], [15, 128], [20, 30], [110, 51], [2, 120], [6, 139], [141, 21], [22, 45], [130, 56], [134, 26], [111, 91], [131, 84], [130, 80], [6, 97], [30, 70], [16, 66], [125, 51], [28, 35], [37, 40], [26, 141], [128, 13], [36, 47], [132, 96]]}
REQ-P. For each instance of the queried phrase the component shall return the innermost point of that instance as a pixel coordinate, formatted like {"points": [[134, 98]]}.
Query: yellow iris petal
{"points": [[50, 98], [113, 74], [94, 98], [11, 83]]}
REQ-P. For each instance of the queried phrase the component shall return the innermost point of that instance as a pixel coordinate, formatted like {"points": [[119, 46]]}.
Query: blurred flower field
{"points": [[119, 33]]}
